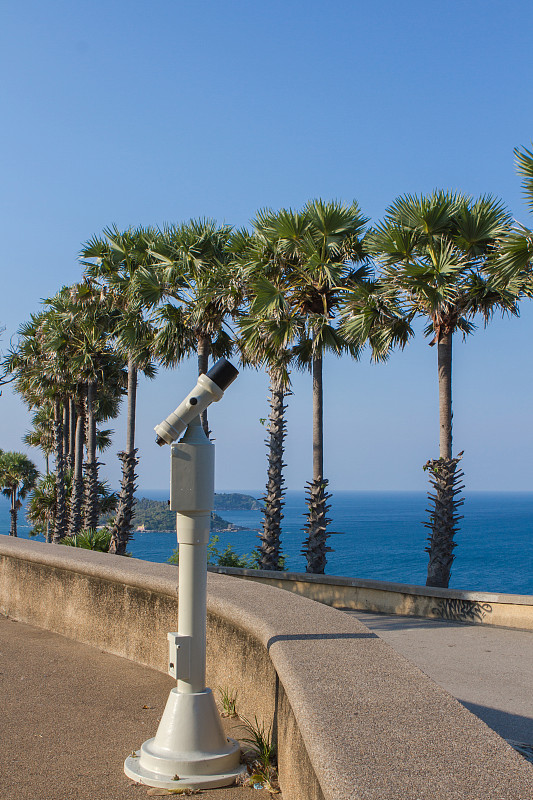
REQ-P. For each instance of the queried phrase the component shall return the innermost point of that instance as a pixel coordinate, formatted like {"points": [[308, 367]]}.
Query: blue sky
{"points": [[137, 112]]}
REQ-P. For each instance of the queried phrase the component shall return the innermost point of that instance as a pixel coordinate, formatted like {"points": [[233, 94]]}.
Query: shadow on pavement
{"points": [[385, 623], [506, 725]]}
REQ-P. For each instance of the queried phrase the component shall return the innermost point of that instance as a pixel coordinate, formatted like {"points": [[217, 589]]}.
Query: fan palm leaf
{"points": [[524, 167]]}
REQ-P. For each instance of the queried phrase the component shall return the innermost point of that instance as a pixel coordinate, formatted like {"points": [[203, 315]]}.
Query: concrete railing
{"points": [[483, 608], [353, 719]]}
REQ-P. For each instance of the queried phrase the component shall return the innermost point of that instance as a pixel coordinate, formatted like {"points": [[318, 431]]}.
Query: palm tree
{"points": [[42, 504], [64, 336], [434, 253], [41, 434], [4, 372], [269, 550], [197, 279], [18, 476], [315, 253], [85, 319], [266, 341], [513, 268], [112, 263], [59, 352], [41, 376], [134, 339], [268, 331]]}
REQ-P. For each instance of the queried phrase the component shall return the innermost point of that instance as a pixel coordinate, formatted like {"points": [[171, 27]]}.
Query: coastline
{"points": [[382, 538], [230, 529]]}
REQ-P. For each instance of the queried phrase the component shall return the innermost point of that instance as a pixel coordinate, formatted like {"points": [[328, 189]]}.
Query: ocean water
{"points": [[380, 536]]}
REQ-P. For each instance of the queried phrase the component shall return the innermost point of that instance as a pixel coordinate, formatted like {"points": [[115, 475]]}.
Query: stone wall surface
{"points": [[482, 608], [354, 720]]}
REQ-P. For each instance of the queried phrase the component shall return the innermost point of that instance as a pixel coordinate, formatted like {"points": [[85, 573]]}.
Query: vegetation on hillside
{"points": [[155, 515], [234, 501]]}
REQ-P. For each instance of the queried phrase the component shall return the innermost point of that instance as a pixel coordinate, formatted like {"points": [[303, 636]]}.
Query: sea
{"points": [[380, 536]]}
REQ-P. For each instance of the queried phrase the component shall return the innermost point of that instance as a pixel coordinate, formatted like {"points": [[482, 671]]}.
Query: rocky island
{"points": [[155, 515], [233, 501]]}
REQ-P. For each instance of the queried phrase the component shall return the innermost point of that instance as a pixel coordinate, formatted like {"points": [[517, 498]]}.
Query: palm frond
{"points": [[524, 167], [513, 263]]}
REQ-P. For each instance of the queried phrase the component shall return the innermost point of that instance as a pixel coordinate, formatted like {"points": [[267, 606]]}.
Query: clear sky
{"points": [[151, 112]]}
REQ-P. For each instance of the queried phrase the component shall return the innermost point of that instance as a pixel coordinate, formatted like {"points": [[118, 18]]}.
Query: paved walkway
{"points": [[489, 670], [70, 714]]}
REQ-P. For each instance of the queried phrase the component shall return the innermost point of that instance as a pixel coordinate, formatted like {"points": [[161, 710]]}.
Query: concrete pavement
{"points": [[69, 716], [71, 713], [489, 670]]}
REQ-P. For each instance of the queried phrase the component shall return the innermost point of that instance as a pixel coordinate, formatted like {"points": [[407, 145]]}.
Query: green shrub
{"points": [[90, 539], [227, 558]]}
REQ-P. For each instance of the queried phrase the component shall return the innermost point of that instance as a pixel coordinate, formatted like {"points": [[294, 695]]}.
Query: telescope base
{"points": [[190, 749]]}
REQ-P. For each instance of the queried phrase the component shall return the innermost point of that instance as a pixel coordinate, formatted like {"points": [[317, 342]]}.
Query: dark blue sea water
{"points": [[381, 537]]}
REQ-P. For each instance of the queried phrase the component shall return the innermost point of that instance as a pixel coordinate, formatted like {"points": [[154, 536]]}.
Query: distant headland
{"points": [[155, 515]]}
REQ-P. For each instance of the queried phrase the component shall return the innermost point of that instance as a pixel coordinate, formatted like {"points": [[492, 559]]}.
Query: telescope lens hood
{"points": [[222, 373]]}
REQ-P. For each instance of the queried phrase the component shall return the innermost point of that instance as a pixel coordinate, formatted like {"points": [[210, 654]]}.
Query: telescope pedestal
{"points": [[190, 749]]}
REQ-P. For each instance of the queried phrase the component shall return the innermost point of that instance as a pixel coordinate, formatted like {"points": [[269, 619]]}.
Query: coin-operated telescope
{"points": [[190, 748], [209, 389]]}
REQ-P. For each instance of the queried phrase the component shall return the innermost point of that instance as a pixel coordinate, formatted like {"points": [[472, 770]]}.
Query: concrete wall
{"points": [[353, 719], [482, 608]]}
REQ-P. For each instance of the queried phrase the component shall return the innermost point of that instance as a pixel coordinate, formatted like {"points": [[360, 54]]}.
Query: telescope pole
{"points": [[190, 749], [193, 529]]}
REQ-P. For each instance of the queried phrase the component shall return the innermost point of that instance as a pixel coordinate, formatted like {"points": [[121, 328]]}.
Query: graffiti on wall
{"points": [[462, 610]]}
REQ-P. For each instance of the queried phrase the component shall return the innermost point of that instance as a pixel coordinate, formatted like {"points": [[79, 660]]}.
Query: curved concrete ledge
{"points": [[353, 719], [482, 608]]}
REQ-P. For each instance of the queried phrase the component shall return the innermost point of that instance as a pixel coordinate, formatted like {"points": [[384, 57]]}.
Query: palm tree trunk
{"points": [[60, 522], [13, 512], [314, 546], [204, 349], [444, 355], [132, 406], [90, 509], [269, 549], [318, 419], [66, 421], [122, 525], [443, 516], [72, 434], [76, 498]]}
